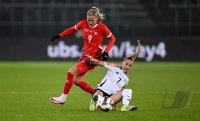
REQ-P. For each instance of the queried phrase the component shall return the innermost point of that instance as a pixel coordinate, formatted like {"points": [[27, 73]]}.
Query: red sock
{"points": [[86, 87], [69, 82]]}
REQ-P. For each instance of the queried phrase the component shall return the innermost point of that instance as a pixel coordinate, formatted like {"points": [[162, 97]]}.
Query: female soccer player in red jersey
{"points": [[94, 32]]}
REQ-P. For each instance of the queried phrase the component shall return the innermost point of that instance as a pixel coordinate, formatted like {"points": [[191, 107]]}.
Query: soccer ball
{"points": [[107, 104]]}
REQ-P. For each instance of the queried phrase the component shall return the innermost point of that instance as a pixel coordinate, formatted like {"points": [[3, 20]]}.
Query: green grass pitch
{"points": [[163, 91]]}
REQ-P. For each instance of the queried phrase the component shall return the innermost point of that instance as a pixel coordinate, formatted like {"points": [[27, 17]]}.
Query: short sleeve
{"points": [[79, 25], [108, 65], [106, 32]]}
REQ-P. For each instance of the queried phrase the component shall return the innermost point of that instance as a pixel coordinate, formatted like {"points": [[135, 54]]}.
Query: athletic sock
{"points": [[63, 96], [126, 96], [69, 82], [86, 87]]}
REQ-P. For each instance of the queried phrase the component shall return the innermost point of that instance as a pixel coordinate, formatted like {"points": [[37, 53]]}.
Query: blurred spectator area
{"points": [[170, 18]]}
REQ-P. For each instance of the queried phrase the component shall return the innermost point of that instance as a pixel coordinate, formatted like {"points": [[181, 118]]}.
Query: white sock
{"points": [[63, 96], [126, 96]]}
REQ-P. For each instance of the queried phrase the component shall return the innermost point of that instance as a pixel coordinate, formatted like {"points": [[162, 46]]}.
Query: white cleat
{"points": [[99, 101], [57, 100]]}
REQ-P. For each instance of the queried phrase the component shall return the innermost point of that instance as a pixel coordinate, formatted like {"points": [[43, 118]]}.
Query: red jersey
{"points": [[93, 36]]}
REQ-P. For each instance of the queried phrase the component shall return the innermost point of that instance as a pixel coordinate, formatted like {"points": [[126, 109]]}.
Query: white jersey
{"points": [[114, 80]]}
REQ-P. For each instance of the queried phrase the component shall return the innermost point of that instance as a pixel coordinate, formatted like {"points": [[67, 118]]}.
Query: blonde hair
{"points": [[134, 55], [94, 11]]}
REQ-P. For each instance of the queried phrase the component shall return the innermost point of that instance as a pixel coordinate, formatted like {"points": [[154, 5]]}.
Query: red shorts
{"points": [[83, 68], [84, 65]]}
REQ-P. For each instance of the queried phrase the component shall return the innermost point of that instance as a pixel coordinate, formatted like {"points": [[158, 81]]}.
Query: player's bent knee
{"points": [[72, 71], [70, 74], [127, 91], [97, 92]]}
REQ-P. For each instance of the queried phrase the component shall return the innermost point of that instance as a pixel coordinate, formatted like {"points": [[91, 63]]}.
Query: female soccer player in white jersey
{"points": [[114, 81]]}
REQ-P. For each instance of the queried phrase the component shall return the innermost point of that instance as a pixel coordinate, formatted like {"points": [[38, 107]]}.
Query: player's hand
{"points": [[92, 60], [88, 57], [104, 56], [55, 37]]}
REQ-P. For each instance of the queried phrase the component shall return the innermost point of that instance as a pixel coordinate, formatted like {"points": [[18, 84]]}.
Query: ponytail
{"points": [[136, 54]]}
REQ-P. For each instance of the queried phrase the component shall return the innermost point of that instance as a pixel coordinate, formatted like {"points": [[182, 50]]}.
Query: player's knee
{"points": [[72, 71], [98, 92], [127, 91]]}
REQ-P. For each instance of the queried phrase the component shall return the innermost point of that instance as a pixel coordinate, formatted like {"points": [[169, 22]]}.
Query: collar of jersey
{"points": [[93, 26], [122, 70]]}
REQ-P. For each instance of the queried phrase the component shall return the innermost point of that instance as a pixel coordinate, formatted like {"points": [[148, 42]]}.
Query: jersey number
{"points": [[89, 38], [119, 80]]}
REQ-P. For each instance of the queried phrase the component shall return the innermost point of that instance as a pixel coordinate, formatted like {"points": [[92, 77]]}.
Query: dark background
{"points": [[26, 26]]}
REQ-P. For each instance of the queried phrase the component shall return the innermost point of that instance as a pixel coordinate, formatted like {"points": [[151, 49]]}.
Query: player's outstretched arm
{"points": [[95, 61]]}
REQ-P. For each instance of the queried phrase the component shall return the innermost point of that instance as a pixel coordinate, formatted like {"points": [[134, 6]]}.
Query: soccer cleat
{"points": [[95, 102], [57, 100], [99, 100], [92, 105], [128, 108]]}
